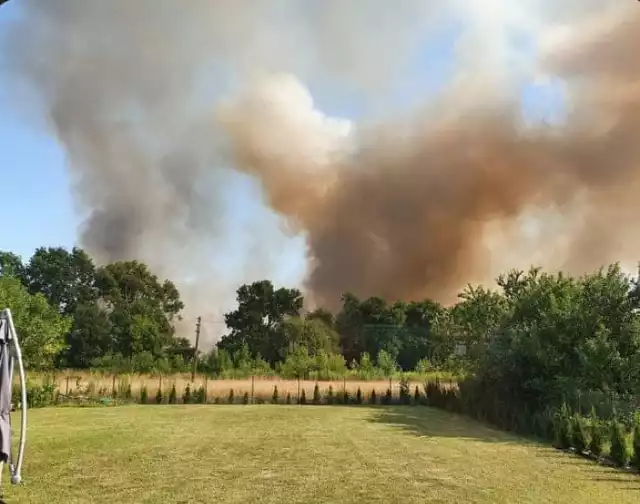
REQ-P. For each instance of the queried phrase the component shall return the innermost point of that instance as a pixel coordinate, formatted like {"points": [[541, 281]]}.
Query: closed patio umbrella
{"points": [[10, 354]]}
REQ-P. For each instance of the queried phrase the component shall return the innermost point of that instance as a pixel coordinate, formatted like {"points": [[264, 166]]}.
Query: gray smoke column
{"points": [[160, 104]]}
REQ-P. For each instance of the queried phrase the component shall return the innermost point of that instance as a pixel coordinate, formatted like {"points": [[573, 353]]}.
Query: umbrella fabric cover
{"points": [[5, 392]]}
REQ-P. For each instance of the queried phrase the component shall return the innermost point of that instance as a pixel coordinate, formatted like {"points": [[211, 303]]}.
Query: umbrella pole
{"points": [[16, 472]]}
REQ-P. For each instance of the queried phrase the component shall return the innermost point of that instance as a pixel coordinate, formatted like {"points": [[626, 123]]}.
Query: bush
{"points": [[620, 450], [596, 444], [288, 398], [373, 399], [201, 396], [230, 397], [172, 395], [186, 397], [245, 398], [405, 394], [388, 398], [635, 460], [303, 397], [316, 394], [330, 396], [563, 428], [416, 396], [39, 396], [580, 434], [144, 395], [345, 397], [159, 397], [216, 400], [359, 396], [127, 393], [274, 396]]}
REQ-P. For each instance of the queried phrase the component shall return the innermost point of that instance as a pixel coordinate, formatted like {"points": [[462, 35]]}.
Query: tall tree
{"points": [[65, 278], [11, 265], [257, 322], [141, 308]]}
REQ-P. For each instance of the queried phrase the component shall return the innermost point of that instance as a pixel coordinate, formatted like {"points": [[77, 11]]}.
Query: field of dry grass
{"points": [[98, 385]]}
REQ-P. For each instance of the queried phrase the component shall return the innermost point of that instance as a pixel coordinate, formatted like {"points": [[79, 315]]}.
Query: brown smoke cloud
{"points": [[406, 215], [159, 105]]}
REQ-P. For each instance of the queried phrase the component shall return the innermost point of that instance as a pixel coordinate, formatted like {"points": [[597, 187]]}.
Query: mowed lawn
{"points": [[296, 454]]}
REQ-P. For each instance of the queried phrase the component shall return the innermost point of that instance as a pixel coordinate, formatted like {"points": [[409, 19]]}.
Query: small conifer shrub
{"points": [[620, 450], [186, 396], [144, 396], [635, 459], [330, 396], [172, 395]]}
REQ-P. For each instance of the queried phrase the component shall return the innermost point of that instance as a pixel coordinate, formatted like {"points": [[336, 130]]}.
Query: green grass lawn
{"points": [[296, 454]]}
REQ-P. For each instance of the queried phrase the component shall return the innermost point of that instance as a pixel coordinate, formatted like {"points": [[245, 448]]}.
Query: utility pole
{"points": [[195, 352]]}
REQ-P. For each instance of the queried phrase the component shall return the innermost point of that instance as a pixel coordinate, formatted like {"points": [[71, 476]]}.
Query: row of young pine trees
{"points": [[590, 435], [199, 397]]}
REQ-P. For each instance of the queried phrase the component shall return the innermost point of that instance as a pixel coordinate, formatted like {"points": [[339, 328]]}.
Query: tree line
{"points": [[535, 338]]}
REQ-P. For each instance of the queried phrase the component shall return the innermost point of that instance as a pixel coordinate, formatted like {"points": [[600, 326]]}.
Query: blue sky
{"points": [[36, 197]]}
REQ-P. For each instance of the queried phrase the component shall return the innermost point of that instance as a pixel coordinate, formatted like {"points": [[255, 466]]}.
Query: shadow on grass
{"points": [[430, 422]]}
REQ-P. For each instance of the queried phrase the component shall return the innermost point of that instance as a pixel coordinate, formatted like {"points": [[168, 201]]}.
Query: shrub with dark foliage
{"points": [[201, 396], [173, 397], [274, 396], [316, 395], [563, 429], [330, 396], [635, 460], [144, 395], [186, 397], [620, 450], [580, 433]]}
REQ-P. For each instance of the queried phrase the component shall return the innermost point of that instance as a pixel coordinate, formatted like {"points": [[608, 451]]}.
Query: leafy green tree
{"points": [[387, 363], [40, 327], [141, 308], [66, 279], [12, 265], [90, 337], [297, 364], [257, 321], [314, 334]]}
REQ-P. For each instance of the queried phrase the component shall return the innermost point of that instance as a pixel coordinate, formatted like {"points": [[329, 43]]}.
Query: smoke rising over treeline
{"points": [[159, 104]]}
